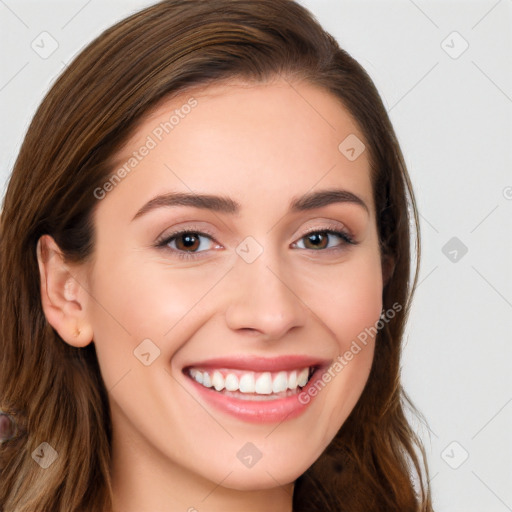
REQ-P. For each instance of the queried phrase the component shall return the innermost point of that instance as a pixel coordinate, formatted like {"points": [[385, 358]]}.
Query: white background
{"points": [[453, 115]]}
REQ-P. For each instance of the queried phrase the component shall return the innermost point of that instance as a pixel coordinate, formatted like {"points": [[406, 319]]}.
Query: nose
{"points": [[263, 299]]}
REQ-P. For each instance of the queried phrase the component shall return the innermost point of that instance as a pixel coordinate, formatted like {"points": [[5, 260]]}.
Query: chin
{"points": [[258, 480]]}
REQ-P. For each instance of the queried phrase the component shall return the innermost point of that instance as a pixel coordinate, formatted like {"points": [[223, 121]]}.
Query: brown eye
{"points": [[187, 242], [316, 240], [320, 239]]}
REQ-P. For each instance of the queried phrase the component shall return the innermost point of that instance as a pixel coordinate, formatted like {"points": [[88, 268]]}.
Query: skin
{"points": [[261, 145]]}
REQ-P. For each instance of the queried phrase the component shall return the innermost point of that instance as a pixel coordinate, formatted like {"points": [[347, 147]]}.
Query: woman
{"points": [[205, 280]]}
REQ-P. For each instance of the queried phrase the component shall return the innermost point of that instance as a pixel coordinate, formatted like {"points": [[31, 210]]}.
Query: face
{"points": [[210, 316]]}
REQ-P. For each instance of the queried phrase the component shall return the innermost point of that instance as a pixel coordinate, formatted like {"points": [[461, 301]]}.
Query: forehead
{"points": [[256, 141]]}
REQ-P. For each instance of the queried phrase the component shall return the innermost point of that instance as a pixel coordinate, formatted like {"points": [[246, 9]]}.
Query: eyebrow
{"points": [[224, 204]]}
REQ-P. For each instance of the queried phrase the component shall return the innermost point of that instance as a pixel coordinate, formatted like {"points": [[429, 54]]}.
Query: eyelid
{"points": [[187, 229], [163, 241], [336, 229]]}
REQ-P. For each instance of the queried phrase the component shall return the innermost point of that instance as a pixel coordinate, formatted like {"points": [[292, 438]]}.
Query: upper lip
{"points": [[262, 364]]}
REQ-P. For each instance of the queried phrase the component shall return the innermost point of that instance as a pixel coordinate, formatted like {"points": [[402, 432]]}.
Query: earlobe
{"points": [[63, 299]]}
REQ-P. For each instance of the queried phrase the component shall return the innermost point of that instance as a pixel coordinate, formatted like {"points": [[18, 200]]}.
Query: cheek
{"points": [[136, 299], [142, 297], [358, 300], [348, 302], [346, 297]]}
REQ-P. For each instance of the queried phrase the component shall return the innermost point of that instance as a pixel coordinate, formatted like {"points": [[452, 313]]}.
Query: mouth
{"points": [[256, 389], [251, 385]]}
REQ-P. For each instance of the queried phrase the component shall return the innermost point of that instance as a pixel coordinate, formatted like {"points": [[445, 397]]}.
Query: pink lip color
{"points": [[261, 364], [271, 411]]}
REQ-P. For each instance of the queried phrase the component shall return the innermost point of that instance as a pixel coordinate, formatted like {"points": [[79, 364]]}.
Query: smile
{"points": [[250, 385], [256, 389]]}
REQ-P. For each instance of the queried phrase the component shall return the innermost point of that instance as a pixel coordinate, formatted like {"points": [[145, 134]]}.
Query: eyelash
{"points": [[184, 255]]}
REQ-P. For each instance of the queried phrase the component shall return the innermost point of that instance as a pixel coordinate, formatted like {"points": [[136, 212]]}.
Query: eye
{"points": [[186, 243], [317, 239]]}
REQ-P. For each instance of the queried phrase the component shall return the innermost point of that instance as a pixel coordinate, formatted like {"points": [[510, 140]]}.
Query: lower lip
{"points": [[259, 411]]}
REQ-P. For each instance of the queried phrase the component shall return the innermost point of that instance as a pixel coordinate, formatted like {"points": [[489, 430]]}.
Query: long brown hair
{"points": [[53, 391]]}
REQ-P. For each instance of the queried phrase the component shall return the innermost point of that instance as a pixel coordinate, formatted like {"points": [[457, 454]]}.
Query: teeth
{"points": [[302, 378], [198, 376], [232, 382], [280, 382], [292, 380], [218, 381], [247, 384], [265, 383], [207, 383]]}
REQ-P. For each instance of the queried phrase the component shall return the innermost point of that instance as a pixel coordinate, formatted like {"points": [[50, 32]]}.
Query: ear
{"points": [[388, 268], [63, 297]]}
